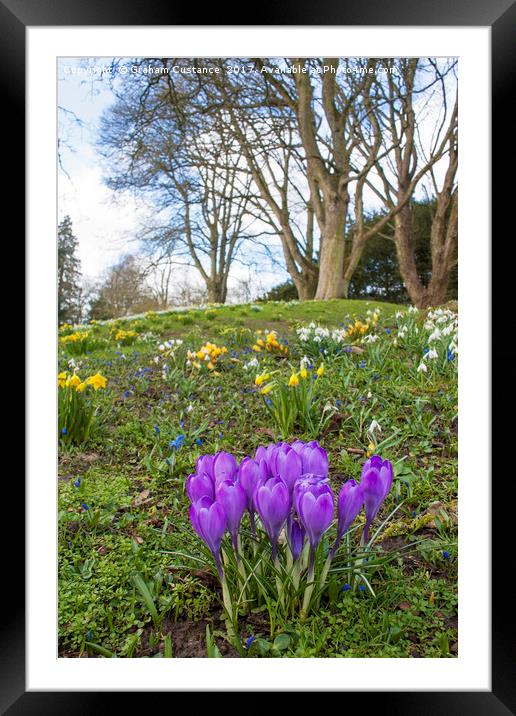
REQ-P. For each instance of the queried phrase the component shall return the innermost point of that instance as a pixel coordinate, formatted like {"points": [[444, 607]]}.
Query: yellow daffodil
{"points": [[303, 373], [293, 381], [97, 381], [261, 378], [267, 388], [320, 370], [73, 381], [257, 348], [61, 379], [81, 387]]}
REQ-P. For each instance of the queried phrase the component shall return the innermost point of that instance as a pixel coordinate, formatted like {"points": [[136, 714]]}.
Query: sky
{"points": [[106, 222]]}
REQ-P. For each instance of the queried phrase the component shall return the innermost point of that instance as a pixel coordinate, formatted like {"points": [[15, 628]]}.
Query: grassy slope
{"points": [[137, 508]]}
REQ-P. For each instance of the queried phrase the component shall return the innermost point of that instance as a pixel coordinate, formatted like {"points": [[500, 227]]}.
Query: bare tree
{"points": [[191, 173], [406, 96]]}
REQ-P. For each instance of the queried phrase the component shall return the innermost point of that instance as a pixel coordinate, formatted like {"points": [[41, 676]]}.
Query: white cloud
{"points": [[105, 228]]}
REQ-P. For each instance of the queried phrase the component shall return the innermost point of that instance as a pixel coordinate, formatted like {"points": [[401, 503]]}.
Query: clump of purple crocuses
{"points": [[286, 486]]}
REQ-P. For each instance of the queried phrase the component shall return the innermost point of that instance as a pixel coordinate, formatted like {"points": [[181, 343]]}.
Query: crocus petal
{"points": [[224, 466], [199, 485], [317, 461], [233, 499], [289, 468]]}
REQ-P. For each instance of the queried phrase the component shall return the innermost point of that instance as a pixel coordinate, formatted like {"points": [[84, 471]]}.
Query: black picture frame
{"points": [[500, 16]]}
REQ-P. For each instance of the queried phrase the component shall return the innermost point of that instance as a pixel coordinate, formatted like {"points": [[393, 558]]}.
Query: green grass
{"points": [[119, 593]]}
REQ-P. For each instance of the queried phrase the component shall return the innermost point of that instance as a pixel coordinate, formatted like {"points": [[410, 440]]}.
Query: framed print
{"points": [[50, 59]]}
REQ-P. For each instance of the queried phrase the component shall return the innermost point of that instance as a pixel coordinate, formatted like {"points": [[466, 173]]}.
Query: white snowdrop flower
{"points": [[189, 408], [252, 364], [375, 427], [317, 339], [412, 309], [161, 347], [156, 359], [431, 354], [369, 394], [399, 314], [434, 336], [422, 368]]}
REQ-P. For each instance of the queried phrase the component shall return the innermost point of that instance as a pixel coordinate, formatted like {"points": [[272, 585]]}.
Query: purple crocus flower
{"points": [[248, 477], [233, 499], [313, 456], [289, 468], [314, 505], [204, 464], [296, 538], [208, 519], [198, 485], [349, 504], [272, 502], [376, 482], [225, 467]]}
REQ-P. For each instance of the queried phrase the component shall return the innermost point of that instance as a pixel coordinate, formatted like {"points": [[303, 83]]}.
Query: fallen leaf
{"points": [[405, 606]]}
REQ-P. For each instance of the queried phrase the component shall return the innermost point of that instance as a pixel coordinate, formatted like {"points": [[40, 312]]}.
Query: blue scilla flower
{"points": [[345, 588], [387, 330], [268, 401], [362, 364], [361, 588], [249, 641], [157, 429], [338, 403], [348, 349], [177, 443], [127, 394], [85, 506], [446, 554], [77, 482], [425, 350], [198, 441], [64, 431], [450, 355]]}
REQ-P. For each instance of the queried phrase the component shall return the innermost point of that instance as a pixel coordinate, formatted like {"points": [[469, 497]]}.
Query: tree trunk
{"points": [[405, 251], [331, 263], [216, 291], [306, 285]]}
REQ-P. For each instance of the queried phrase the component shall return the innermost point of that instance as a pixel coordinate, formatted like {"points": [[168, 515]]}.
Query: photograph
{"points": [[258, 357]]}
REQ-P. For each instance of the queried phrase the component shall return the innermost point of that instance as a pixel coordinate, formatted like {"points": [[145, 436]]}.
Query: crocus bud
{"points": [[199, 485], [315, 461], [204, 464], [376, 482], [289, 468], [349, 504], [248, 476], [314, 505], [296, 538], [224, 467], [233, 499], [272, 502], [209, 521]]}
